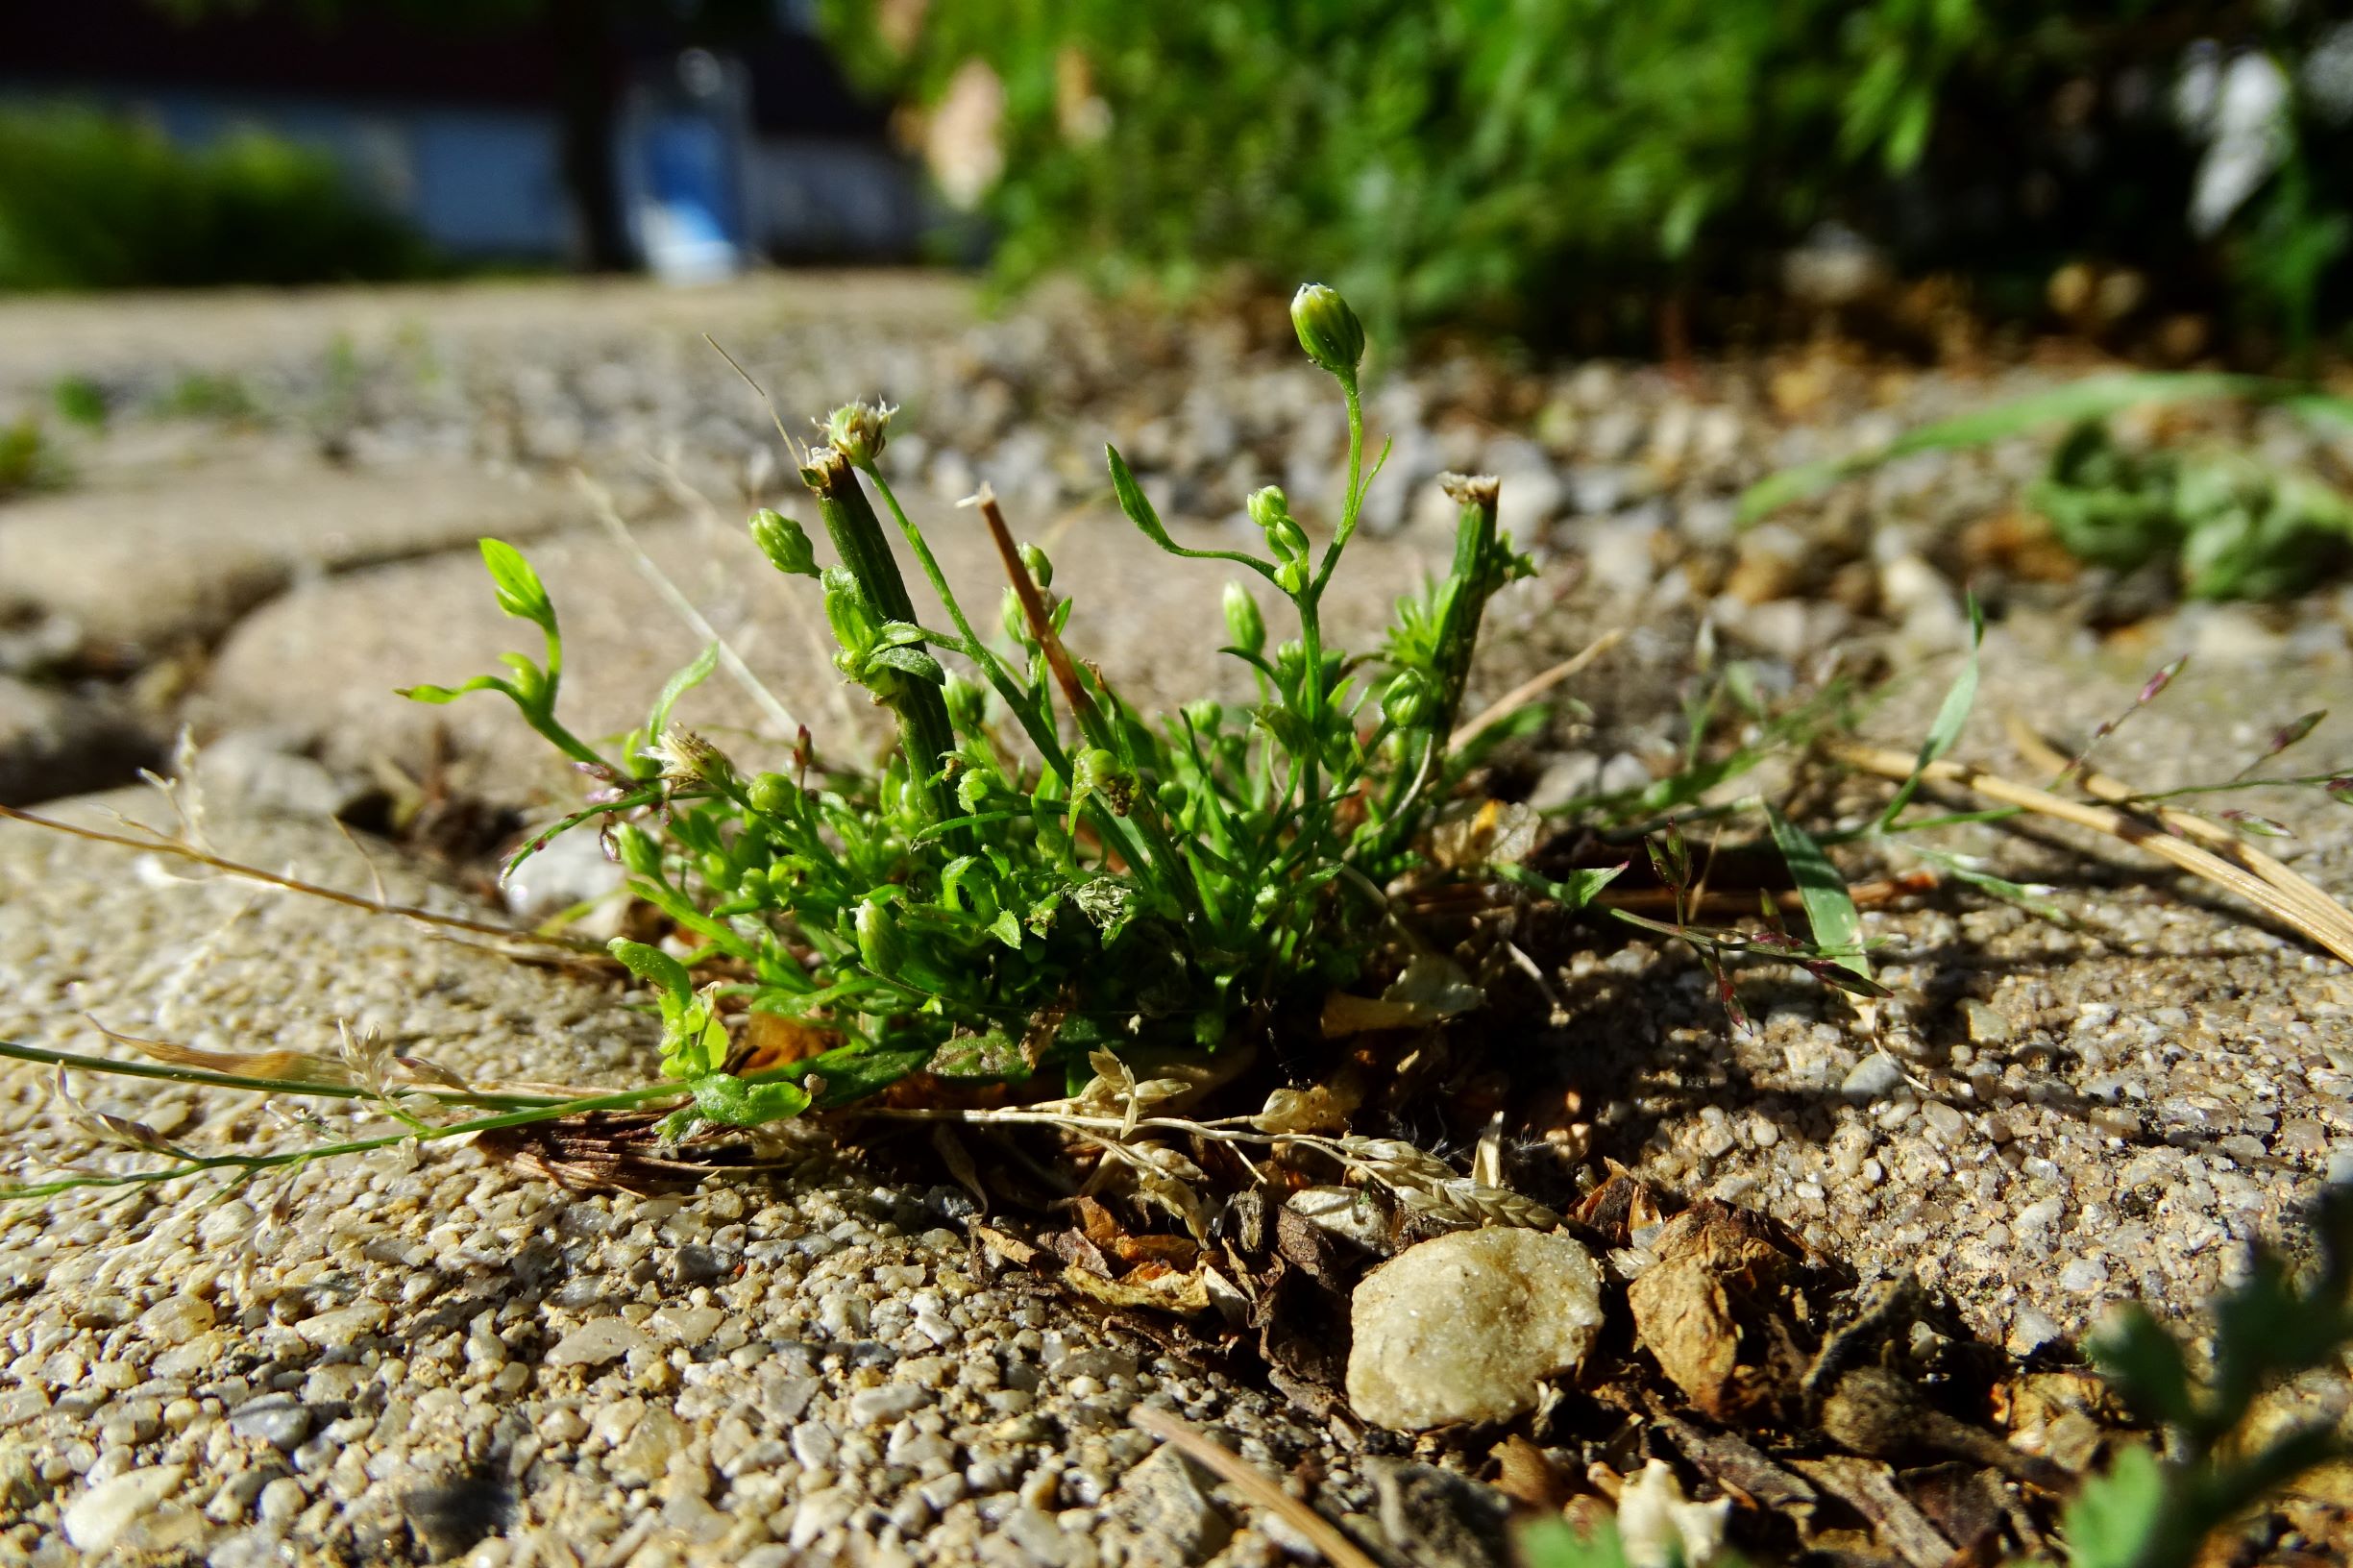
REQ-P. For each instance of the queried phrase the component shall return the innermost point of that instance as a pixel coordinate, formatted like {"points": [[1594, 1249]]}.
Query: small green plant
{"points": [[1039, 872], [79, 402], [2233, 526], [28, 460]]}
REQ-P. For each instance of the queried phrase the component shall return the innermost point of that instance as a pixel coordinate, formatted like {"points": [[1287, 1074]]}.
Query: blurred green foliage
{"points": [[90, 201], [1523, 163]]}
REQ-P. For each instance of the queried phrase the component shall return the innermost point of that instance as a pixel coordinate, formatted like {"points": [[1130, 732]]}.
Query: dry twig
{"points": [[1320, 1532]]}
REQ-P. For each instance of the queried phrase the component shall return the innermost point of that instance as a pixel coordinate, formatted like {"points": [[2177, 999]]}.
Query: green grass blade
{"points": [[2095, 397], [1951, 716], [1829, 909]]}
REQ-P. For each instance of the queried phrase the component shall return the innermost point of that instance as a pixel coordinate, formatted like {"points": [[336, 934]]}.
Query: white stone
{"points": [[95, 1519], [595, 1342], [1464, 1326]]}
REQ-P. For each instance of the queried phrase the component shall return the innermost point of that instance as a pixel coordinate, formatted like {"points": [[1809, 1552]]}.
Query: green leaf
{"points": [[691, 676], [1951, 716], [2134, 1352], [655, 968], [438, 696], [2109, 1522], [520, 592], [1552, 1543], [1139, 508], [912, 661], [735, 1102], [852, 1072], [1576, 891], [1829, 909], [1007, 929]]}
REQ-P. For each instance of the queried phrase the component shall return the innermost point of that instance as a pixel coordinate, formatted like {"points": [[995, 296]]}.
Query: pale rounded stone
{"points": [[98, 1516], [1463, 1327]]}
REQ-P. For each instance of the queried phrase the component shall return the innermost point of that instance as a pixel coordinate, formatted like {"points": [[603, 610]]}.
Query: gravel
{"points": [[433, 1358]]}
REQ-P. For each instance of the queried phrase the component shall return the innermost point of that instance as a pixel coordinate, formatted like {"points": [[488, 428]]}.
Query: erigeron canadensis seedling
{"points": [[1038, 872]]}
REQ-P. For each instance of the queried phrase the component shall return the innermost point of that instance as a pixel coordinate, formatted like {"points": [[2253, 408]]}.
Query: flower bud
{"points": [[1407, 702], [859, 430], [784, 542], [1291, 576], [882, 946], [1016, 620], [772, 794], [1040, 570], [1105, 774], [1207, 715], [1246, 628], [974, 789], [1270, 509], [637, 851], [1328, 330], [967, 704]]}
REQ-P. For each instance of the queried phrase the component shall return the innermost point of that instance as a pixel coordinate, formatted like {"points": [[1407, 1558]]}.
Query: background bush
{"points": [[87, 201], [1563, 164]]}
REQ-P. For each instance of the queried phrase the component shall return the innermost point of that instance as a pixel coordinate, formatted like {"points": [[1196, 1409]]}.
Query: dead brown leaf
{"points": [[1717, 1311]]}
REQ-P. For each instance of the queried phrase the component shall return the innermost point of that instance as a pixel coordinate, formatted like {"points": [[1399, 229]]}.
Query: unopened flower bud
{"points": [[772, 794], [1016, 620], [1407, 702], [967, 704], [1207, 715], [1270, 509], [1246, 628], [1291, 576], [1040, 570], [784, 542], [637, 851], [973, 791], [1105, 774], [882, 946], [1328, 330], [859, 430]]}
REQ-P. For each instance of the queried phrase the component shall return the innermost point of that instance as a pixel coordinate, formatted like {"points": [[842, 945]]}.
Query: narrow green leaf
{"points": [[2094, 397], [654, 966], [691, 676], [438, 696], [1574, 892], [1139, 508], [1951, 716], [1829, 909]]}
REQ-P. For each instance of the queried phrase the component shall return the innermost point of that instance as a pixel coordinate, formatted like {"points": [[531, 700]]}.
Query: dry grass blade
{"points": [[2321, 919], [2292, 886], [1320, 1532], [254, 873], [609, 515], [1529, 690]]}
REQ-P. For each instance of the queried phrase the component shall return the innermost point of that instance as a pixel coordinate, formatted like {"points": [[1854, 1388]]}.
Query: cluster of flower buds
{"points": [[1271, 510]]}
